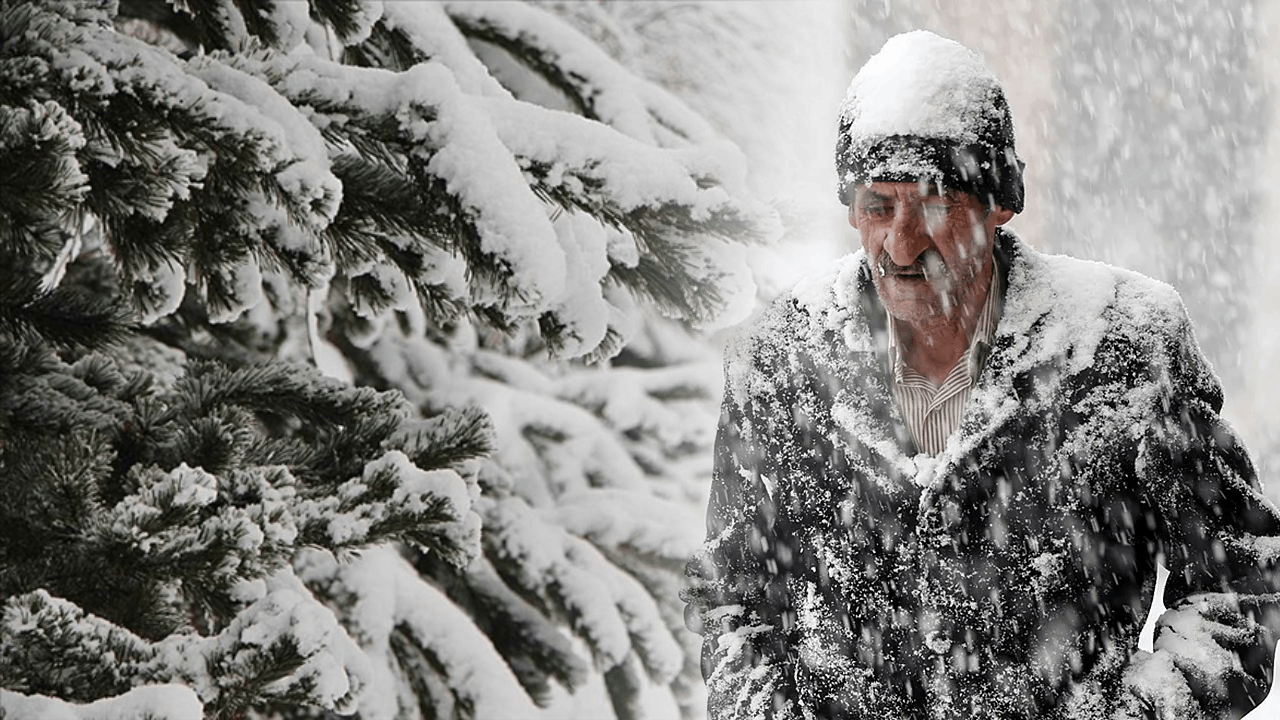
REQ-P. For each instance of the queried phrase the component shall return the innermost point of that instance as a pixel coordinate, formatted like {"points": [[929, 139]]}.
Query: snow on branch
{"points": [[414, 631], [530, 643], [556, 507], [417, 32], [622, 522], [156, 702], [591, 166], [284, 646], [602, 89], [280, 388], [446, 139], [650, 401], [167, 529], [605, 606], [393, 498], [42, 176], [185, 146], [555, 446], [212, 171], [260, 183], [305, 179]]}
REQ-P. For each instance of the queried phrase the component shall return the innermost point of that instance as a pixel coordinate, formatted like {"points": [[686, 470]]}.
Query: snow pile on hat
{"points": [[926, 107]]}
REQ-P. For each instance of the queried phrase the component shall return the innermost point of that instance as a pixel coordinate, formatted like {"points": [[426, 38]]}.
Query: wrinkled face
{"points": [[930, 252]]}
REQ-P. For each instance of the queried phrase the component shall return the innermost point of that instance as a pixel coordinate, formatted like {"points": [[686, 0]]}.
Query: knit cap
{"points": [[925, 107]]}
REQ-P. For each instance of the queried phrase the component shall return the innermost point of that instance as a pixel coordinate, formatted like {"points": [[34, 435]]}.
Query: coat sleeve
{"points": [[1218, 535], [736, 584]]}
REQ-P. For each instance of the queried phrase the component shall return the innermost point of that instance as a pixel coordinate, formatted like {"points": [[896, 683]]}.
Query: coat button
{"points": [[934, 630], [951, 514], [938, 641]]}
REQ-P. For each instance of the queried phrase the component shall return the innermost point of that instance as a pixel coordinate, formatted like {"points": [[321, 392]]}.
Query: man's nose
{"points": [[908, 236]]}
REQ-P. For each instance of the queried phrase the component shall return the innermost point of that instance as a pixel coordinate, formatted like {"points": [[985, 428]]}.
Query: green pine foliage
{"points": [[311, 397], [147, 530]]}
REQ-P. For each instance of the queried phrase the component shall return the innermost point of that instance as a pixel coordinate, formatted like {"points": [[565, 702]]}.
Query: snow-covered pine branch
{"points": [[123, 565], [599, 88], [356, 185], [227, 169], [157, 702], [430, 659], [593, 482], [282, 648]]}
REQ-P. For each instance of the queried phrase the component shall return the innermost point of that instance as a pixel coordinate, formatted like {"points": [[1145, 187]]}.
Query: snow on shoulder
{"points": [[920, 84], [817, 305], [1085, 300]]}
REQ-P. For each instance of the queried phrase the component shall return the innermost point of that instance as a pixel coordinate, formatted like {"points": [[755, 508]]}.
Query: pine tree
{"points": [[306, 399]]}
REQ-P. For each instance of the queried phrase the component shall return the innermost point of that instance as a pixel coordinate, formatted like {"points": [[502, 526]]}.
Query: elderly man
{"points": [[946, 471]]}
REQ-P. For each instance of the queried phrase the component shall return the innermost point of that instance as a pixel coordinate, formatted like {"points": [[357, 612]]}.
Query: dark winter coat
{"points": [[1008, 577]]}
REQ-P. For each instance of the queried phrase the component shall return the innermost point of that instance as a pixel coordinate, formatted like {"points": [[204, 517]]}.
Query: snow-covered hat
{"points": [[926, 107]]}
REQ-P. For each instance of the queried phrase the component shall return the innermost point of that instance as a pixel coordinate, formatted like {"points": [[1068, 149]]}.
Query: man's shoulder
{"points": [[1064, 309], [811, 305], [1100, 315], [1123, 299], [820, 315]]}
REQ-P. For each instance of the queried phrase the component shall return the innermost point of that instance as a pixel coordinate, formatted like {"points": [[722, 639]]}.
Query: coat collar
{"points": [[1043, 319]]}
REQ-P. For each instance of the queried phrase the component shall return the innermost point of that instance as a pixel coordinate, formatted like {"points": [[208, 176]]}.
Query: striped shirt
{"points": [[933, 413]]}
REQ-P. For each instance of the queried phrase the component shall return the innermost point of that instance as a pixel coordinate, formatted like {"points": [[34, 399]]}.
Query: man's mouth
{"points": [[904, 273], [927, 268]]}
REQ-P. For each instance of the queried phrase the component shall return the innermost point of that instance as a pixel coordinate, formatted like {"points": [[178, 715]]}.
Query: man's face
{"points": [[930, 252]]}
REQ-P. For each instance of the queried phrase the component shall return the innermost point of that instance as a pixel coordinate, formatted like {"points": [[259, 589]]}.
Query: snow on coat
{"points": [[844, 576]]}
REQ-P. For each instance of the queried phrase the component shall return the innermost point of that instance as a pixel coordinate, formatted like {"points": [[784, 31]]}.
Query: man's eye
{"points": [[877, 209], [935, 214]]}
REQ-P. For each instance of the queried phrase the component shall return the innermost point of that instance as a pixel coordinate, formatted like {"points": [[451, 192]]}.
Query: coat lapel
{"points": [[868, 424], [1048, 327], [994, 401]]}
